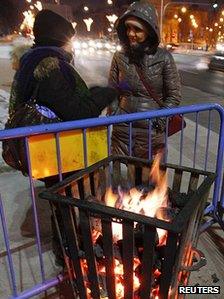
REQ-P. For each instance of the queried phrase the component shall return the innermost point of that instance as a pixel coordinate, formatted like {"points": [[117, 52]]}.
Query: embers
{"points": [[166, 213]]}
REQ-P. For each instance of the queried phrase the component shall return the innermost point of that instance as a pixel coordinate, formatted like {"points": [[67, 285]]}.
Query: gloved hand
{"points": [[103, 96], [159, 125]]}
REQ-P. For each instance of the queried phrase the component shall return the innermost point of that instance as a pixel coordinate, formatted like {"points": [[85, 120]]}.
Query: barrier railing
{"points": [[196, 146]]}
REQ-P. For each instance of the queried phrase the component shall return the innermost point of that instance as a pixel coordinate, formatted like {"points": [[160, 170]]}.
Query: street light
{"points": [[74, 24], [163, 9], [88, 23], [38, 5], [112, 18]]}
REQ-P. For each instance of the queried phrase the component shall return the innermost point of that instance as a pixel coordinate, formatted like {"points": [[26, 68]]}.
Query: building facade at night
{"points": [[190, 22]]}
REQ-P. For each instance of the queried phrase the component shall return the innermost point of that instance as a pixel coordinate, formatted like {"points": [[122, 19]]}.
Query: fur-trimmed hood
{"points": [[37, 64], [45, 67]]}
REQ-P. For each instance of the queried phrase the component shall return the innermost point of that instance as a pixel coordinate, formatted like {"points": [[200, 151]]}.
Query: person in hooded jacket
{"points": [[138, 33], [46, 72]]}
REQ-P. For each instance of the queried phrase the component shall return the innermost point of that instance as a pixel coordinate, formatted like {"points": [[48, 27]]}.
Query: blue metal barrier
{"points": [[213, 209]]}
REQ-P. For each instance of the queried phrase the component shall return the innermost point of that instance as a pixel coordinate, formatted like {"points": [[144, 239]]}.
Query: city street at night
{"points": [[193, 69]]}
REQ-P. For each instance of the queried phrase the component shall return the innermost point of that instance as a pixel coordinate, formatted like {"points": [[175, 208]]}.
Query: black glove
{"points": [[159, 125], [103, 96]]}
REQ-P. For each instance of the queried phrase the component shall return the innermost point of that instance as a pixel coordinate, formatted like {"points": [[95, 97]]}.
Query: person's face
{"points": [[136, 35]]}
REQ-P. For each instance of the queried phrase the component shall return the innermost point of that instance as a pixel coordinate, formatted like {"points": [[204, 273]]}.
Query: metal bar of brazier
{"points": [[159, 278]]}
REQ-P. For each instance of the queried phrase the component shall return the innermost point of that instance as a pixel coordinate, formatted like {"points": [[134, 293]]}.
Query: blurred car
{"points": [[217, 61], [172, 47]]}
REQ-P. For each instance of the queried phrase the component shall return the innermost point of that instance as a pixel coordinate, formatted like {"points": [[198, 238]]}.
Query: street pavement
{"points": [[15, 192]]}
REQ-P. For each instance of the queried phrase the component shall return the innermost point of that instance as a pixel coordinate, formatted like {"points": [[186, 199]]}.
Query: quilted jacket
{"points": [[161, 73]]}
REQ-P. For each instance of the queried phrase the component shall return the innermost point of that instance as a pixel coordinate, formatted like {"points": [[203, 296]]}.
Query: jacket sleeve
{"points": [[114, 73], [171, 82], [55, 93]]}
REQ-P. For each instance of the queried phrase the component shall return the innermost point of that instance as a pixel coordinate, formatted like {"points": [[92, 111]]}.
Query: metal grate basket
{"points": [[79, 202]]}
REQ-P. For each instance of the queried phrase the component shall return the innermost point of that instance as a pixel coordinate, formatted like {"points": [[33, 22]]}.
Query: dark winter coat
{"points": [[47, 73], [160, 70]]}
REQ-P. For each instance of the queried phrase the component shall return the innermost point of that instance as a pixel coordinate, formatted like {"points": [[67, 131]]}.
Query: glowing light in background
{"points": [[29, 16], [74, 24], [38, 5], [183, 9], [28, 21], [112, 18], [95, 47], [88, 23]]}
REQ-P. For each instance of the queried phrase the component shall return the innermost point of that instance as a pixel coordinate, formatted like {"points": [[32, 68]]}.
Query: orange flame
{"points": [[133, 201]]}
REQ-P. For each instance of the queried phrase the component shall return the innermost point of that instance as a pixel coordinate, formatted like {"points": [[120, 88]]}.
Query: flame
{"points": [[133, 201]]}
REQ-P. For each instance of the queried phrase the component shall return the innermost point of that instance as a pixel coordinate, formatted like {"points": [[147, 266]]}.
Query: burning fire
{"points": [[150, 204], [133, 201]]}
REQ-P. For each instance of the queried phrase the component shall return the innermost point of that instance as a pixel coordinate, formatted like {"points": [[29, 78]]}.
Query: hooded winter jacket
{"points": [[46, 73], [159, 69]]}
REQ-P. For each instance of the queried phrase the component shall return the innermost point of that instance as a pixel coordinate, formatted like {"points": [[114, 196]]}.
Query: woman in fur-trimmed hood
{"points": [[46, 73], [138, 32]]}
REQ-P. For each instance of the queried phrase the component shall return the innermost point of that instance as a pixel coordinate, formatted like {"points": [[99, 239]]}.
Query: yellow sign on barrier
{"points": [[43, 153]]}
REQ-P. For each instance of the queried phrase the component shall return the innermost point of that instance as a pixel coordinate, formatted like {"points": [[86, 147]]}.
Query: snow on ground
{"points": [[4, 102], [7, 47], [5, 51]]}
